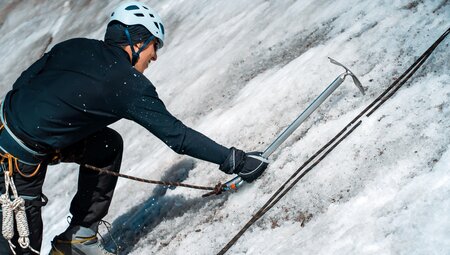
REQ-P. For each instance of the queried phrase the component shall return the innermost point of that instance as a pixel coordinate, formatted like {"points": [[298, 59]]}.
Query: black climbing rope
{"points": [[327, 148]]}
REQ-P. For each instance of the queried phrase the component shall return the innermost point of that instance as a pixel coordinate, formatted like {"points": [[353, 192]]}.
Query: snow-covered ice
{"points": [[240, 72]]}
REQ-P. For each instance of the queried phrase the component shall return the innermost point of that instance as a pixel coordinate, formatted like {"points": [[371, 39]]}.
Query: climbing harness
{"points": [[13, 206], [327, 148]]}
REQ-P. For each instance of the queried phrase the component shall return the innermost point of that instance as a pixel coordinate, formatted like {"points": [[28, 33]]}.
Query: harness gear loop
{"points": [[12, 163], [25, 175]]}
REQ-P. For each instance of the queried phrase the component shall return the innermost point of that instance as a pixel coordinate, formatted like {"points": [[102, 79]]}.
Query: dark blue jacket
{"points": [[83, 85]]}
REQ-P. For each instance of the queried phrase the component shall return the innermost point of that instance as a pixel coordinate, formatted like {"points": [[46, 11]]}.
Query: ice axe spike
{"points": [[237, 182]]}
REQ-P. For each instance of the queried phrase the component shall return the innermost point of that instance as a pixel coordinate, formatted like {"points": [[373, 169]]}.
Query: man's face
{"points": [[146, 56]]}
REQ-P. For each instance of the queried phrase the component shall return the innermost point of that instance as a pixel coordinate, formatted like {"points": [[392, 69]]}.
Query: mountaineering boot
{"points": [[77, 240]]}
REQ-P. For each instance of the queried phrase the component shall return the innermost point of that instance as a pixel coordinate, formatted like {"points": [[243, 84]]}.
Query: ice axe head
{"points": [[348, 72]]}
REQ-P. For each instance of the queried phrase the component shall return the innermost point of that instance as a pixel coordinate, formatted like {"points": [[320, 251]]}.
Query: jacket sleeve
{"points": [[31, 72], [147, 109]]}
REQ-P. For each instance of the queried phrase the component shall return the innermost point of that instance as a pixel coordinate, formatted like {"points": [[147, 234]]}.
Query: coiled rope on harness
{"points": [[327, 148], [14, 209]]}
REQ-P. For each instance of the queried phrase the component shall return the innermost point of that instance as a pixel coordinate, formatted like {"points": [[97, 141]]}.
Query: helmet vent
{"points": [[132, 7], [135, 14]]}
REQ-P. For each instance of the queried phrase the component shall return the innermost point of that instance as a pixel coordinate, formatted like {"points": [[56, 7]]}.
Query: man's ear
{"points": [[139, 45]]}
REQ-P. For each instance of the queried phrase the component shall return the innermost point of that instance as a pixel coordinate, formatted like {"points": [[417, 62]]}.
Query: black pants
{"points": [[95, 190]]}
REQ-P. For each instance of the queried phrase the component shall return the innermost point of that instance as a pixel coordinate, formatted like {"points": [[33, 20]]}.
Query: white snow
{"points": [[240, 72]]}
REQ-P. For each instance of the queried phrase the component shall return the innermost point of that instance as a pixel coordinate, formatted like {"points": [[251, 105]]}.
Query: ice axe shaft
{"points": [[236, 182], [311, 108]]}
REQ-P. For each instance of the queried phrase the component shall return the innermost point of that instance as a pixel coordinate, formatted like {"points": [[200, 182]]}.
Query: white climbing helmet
{"points": [[135, 13]]}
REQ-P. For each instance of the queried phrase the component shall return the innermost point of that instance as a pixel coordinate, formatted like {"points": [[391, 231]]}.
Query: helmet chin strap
{"points": [[134, 54]]}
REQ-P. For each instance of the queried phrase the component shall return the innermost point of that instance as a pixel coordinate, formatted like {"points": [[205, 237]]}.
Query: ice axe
{"points": [[237, 182]]}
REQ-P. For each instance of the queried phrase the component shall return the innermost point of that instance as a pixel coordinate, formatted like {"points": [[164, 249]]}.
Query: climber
{"points": [[58, 111]]}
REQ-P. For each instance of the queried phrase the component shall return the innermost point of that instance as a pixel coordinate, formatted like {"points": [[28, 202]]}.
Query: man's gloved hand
{"points": [[249, 166]]}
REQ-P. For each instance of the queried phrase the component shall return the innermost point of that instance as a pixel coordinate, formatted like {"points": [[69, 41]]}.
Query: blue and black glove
{"points": [[249, 166]]}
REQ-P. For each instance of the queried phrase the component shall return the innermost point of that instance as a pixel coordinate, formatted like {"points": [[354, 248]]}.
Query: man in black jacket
{"points": [[59, 110]]}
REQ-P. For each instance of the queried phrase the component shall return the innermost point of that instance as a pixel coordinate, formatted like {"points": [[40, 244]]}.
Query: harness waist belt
{"points": [[9, 143]]}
